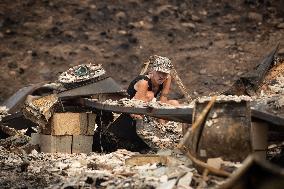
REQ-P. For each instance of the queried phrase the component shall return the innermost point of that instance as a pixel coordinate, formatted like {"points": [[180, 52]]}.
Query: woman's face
{"points": [[160, 77]]}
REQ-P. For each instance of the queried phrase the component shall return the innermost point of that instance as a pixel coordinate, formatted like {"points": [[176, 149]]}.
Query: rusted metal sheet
{"points": [[107, 85], [16, 100], [225, 130], [276, 121], [175, 114]]}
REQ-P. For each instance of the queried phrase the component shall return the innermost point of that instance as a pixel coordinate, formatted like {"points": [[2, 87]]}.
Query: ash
{"points": [[271, 93], [225, 98], [72, 75], [142, 104], [160, 136]]}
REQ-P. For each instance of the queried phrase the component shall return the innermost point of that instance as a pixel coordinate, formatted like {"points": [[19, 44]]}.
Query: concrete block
{"points": [[82, 144], [35, 138], [69, 124], [91, 124], [53, 144], [259, 138]]}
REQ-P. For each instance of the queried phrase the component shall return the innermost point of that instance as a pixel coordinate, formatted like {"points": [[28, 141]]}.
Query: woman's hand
{"points": [[136, 116]]}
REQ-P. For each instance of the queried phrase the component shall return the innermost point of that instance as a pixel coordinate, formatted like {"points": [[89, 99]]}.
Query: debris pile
{"points": [[271, 93], [160, 136], [220, 131], [3, 112], [126, 102], [40, 110], [225, 98], [119, 169], [81, 73]]}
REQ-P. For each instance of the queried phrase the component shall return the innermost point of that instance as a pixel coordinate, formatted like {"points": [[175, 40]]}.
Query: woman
{"points": [[155, 84]]}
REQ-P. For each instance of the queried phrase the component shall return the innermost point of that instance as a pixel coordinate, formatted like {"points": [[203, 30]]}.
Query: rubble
{"points": [[93, 170], [160, 136], [40, 109], [3, 112], [126, 102], [81, 73], [226, 98]]}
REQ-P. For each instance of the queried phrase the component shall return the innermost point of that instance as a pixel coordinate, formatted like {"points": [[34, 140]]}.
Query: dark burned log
{"points": [[249, 83]]}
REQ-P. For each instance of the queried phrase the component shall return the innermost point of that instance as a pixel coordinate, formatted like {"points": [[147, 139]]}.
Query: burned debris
{"points": [[78, 134]]}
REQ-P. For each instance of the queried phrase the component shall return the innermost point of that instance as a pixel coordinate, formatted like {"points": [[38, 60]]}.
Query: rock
{"points": [[163, 178], [69, 34], [93, 6], [224, 43], [188, 25], [12, 73], [203, 71], [280, 26], [195, 18], [165, 9], [164, 152], [185, 180], [203, 12], [215, 162], [120, 15], [141, 25], [122, 32], [167, 185], [253, 16], [230, 18]]}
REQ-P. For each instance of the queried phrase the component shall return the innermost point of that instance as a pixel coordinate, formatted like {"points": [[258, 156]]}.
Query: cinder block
{"points": [[91, 123], [53, 144], [82, 144], [72, 124], [259, 138], [35, 138]]}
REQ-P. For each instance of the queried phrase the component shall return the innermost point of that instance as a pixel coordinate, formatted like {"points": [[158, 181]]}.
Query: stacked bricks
{"points": [[67, 133]]}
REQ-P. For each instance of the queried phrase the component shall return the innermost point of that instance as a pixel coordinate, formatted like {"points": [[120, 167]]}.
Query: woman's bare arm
{"points": [[141, 88], [166, 89]]}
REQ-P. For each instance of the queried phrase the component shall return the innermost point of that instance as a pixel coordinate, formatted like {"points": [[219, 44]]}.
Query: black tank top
{"points": [[131, 91]]}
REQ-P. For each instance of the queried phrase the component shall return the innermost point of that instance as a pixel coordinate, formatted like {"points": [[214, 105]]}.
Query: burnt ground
{"points": [[211, 43]]}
